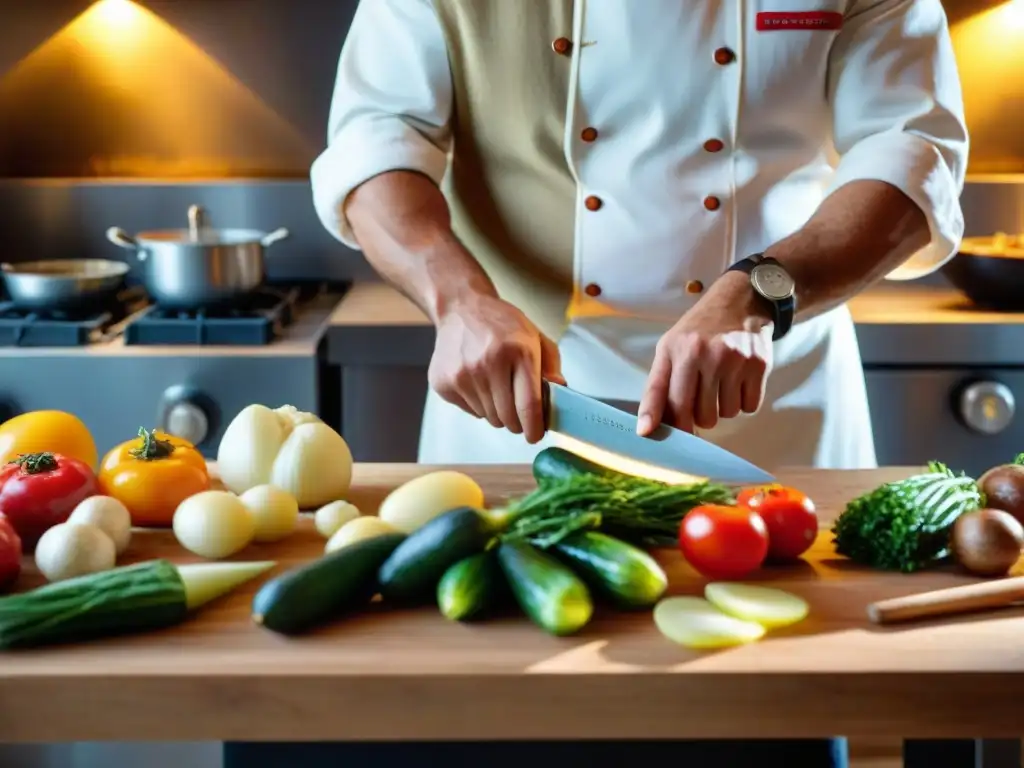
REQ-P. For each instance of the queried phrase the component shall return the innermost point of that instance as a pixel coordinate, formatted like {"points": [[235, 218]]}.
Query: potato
{"points": [[213, 524], [274, 511], [367, 527], [1003, 488], [420, 500], [330, 517], [987, 542], [696, 623], [771, 608], [74, 549], [109, 515]]}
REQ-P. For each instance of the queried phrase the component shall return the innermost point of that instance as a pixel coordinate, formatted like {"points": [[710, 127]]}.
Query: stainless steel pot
{"points": [[200, 266], [63, 285]]}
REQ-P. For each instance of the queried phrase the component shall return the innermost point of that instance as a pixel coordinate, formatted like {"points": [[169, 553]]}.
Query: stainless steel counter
{"points": [[897, 324]]}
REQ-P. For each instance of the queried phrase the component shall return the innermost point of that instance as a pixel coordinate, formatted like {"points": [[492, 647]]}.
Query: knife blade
{"points": [[583, 418]]}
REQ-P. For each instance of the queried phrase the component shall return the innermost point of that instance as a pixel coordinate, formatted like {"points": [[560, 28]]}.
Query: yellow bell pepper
{"points": [[152, 474]]}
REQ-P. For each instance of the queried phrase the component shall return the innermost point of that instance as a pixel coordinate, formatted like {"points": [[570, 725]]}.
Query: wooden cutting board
{"points": [[410, 674]]}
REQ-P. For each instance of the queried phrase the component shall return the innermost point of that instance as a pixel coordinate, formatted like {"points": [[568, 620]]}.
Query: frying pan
{"points": [[990, 271], [63, 285]]}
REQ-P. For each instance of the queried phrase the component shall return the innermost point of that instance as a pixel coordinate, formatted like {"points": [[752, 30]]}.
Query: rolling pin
{"points": [[948, 602]]}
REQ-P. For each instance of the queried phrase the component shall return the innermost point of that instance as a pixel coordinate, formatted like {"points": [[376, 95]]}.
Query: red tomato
{"points": [[789, 516], [10, 553], [40, 490], [723, 542]]}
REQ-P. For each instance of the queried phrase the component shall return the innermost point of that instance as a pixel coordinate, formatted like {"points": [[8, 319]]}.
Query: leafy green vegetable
{"points": [[631, 508], [905, 525]]}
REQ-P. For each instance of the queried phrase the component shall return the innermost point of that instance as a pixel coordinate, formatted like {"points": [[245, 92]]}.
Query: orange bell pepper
{"points": [[152, 474]]}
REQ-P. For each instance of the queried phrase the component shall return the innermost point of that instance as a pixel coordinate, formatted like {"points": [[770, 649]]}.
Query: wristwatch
{"points": [[773, 283]]}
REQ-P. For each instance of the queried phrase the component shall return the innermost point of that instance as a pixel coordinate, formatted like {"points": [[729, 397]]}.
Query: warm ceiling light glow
{"points": [[623, 463], [143, 101], [989, 50], [117, 15]]}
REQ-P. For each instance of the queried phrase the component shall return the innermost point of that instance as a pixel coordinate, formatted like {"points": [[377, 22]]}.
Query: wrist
{"points": [[733, 290]]}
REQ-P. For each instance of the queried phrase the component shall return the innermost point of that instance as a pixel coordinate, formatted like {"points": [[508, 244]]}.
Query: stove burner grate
{"points": [[257, 321], [25, 328]]}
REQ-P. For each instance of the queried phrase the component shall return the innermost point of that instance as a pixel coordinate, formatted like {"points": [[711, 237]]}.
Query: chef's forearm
{"points": [[860, 233], [403, 225]]}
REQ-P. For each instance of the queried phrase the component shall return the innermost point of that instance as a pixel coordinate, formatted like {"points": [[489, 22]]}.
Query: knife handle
{"points": [[545, 403]]}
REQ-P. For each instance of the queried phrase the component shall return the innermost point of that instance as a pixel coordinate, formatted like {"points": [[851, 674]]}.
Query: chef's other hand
{"points": [[712, 364], [489, 360]]}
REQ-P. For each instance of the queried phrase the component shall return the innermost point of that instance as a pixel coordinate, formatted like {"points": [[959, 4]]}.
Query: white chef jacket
{"points": [[718, 139]]}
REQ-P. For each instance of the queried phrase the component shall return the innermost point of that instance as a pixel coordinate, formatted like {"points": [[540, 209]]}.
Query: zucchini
{"points": [[622, 573], [312, 594], [549, 593], [471, 587], [414, 569], [133, 598], [558, 464]]}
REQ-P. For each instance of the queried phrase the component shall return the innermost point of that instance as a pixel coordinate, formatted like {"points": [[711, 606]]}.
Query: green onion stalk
{"points": [[631, 508]]}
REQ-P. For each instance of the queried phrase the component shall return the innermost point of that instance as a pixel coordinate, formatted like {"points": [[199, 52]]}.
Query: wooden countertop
{"points": [[409, 674], [377, 304]]}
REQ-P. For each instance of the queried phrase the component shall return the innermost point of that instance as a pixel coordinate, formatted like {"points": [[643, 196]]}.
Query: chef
{"points": [[663, 203]]}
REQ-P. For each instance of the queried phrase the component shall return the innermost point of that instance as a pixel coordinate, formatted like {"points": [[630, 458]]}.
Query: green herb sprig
{"points": [[905, 525]]}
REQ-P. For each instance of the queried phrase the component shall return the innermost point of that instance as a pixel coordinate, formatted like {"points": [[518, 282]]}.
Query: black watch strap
{"points": [[783, 309]]}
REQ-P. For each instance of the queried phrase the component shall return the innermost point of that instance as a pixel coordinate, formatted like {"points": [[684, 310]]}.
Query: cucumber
{"points": [[549, 593], [312, 594], [133, 598], [411, 573], [620, 572], [557, 464], [471, 587]]}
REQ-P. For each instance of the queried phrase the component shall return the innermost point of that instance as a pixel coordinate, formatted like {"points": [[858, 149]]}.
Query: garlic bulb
{"points": [[288, 448]]}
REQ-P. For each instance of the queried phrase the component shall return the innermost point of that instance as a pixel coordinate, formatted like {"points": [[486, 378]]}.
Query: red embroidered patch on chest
{"points": [[773, 21]]}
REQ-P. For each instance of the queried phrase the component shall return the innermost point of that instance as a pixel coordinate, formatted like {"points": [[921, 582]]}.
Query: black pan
{"points": [[990, 272]]}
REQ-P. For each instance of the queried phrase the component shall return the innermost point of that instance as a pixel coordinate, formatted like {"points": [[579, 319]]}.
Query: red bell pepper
{"points": [[10, 554], [41, 490]]}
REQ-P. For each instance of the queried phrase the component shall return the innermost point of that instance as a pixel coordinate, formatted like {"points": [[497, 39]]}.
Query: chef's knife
{"points": [[604, 426]]}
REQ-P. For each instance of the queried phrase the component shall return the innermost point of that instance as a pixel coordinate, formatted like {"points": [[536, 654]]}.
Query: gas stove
{"points": [[256, 320], [136, 364]]}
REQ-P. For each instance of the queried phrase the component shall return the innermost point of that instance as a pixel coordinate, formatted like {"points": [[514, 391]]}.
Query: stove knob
{"points": [[187, 421], [987, 407]]}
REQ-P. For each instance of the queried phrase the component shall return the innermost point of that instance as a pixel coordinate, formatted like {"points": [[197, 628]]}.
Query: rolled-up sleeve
{"points": [[898, 115], [391, 105]]}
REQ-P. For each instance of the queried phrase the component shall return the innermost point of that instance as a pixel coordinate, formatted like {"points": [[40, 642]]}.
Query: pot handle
{"points": [[275, 236], [122, 239]]}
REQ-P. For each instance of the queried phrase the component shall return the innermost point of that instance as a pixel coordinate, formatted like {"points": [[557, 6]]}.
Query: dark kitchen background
{"points": [[121, 113], [125, 113]]}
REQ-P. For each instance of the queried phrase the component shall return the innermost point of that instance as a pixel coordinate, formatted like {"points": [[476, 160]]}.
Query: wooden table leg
{"points": [[962, 753]]}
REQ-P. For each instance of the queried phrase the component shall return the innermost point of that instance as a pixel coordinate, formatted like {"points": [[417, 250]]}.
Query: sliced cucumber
{"points": [[772, 608], [624, 574], [412, 572], [696, 623], [471, 587], [311, 595], [549, 593]]}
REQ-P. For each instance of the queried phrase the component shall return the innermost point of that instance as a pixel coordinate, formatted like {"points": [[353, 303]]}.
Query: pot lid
{"points": [[200, 232], [205, 236]]}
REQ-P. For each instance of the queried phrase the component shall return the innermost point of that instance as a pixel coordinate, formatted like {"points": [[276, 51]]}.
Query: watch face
{"points": [[772, 282]]}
